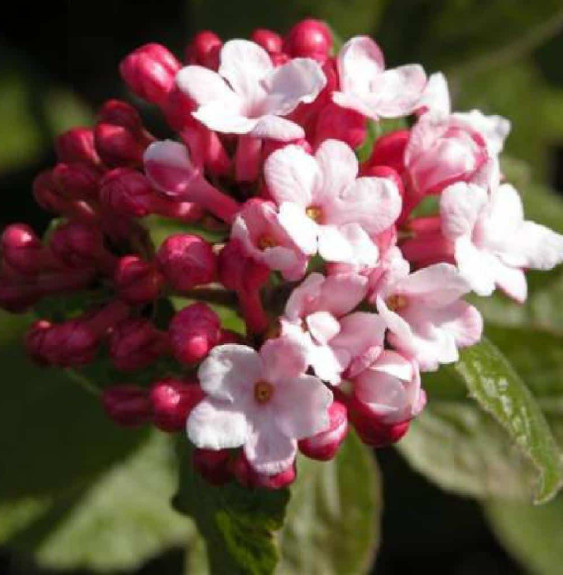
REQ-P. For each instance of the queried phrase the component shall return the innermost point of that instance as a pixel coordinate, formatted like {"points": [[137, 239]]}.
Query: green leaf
{"points": [[484, 453], [118, 521], [532, 534], [332, 523], [237, 524], [75, 490], [495, 385]]}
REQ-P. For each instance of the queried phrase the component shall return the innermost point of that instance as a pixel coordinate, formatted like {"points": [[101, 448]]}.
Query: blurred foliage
{"points": [[78, 492]]}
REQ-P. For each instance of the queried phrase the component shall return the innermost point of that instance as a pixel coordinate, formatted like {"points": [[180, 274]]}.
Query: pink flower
{"points": [[248, 95], [390, 388], [365, 85], [262, 401], [493, 243], [324, 206], [442, 151], [425, 315], [258, 228], [318, 313]]}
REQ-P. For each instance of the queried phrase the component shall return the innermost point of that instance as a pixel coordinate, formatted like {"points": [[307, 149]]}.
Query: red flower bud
{"points": [[127, 405], [118, 146], [213, 466], [77, 145], [389, 150], [309, 39], [269, 40], [135, 344], [22, 249], [193, 332], [186, 261], [137, 281], [150, 71], [371, 429], [76, 181], [34, 339], [324, 445], [248, 477], [172, 401], [127, 192], [17, 298], [204, 50], [120, 113], [77, 244]]}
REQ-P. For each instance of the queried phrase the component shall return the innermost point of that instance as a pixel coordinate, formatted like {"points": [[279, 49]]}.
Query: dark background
{"points": [[58, 62]]}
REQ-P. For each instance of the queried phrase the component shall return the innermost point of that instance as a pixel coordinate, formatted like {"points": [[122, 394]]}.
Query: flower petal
{"points": [[244, 64], [204, 86], [269, 451], [284, 357], [220, 117], [291, 175], [302, 229], [360, 61], [460, 208], [275, 128], [341, 293], [347, 244], [230, 371], [215, 424], [339, 168], [323, 326], [398, 91], [300, 80]]}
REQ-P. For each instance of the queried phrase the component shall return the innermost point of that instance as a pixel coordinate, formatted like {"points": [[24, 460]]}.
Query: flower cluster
{"points": [[346, 291]]}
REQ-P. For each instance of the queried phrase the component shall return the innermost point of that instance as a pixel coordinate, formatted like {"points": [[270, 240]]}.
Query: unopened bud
{"points": [[249, 477], [186, 261], [213, 466], [150, 71], [119, 113], [135, 344], [309, 39], [193, 332], [269, 40], [324, 445], [77, 181], [204, 50], [137, 281], [77, 245], [22, 249], [127, 192], [127, 405], [77, 145], [172, 401], [389, 150], [118, 146]]}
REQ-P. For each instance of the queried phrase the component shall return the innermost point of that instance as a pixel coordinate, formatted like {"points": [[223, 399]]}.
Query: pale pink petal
{"points": [[437, 285], [535, 246], [347, 244], [495, 129], [244, 64], [476, 266], [300, 80], [325, 363], [301, 406], [373, 203], [360, 338], [291, 175], [360, 61], [276, 128], [460, 207], [512, 282], [269, 451], [353, 102], [289, 262], [396, 324], [284, 357], [341, 293], [339, 168], [323, 326], [204, 86], [464, 322], [435, 98], [220, 117], [304, 298], [229, 371], [169, 168], [399, 90], [504, 216], [215, 424], [302, 229]]}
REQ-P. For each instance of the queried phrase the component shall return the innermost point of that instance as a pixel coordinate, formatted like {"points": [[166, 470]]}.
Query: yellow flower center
{"points": [[265, 241], [315, 213], [396, 302], [263, 391]]}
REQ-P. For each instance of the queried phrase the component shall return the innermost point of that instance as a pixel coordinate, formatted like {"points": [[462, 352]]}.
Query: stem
{"points": [[247, 159]]}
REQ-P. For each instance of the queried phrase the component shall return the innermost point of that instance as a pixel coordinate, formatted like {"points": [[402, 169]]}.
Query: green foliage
{"points": [[237, 524], [332, 519], [484, 451], [76, 491]]}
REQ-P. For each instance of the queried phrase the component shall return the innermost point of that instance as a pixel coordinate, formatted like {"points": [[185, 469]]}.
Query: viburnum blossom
{"points": [[275, 289]]}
